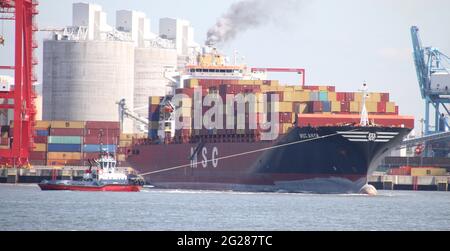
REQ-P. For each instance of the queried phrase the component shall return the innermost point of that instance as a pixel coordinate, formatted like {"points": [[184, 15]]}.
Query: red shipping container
{"points": [[345, 107], [40, 139], [406, 170], [236, 89], [331, 88], [94, 155], [38, 155], [230, 82], [102, 125], [317, 106], [340, 96], [67, 132], [106, 140], [207, 83], [103, 132], [394, 171], [204, 81], [381, 107], [311, 87], [403, 170], [349, 96], [285, 117], [248, 89], [384, 97]]}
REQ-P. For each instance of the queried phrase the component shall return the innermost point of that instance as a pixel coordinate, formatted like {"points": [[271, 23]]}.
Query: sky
{"points": [[338, 42]]}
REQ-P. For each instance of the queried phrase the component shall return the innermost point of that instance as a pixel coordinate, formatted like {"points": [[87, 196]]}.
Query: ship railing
{"points": [[212, 138], [230, 137]]}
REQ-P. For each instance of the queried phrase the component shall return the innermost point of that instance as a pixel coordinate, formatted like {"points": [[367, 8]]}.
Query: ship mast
{"points": [[364, 115]]}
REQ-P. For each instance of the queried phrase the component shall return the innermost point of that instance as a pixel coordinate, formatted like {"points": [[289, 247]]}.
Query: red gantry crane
{"points": [[22, 14]]}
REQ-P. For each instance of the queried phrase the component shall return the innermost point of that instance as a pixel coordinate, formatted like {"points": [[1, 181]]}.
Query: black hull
{"points": [[307, 159]]}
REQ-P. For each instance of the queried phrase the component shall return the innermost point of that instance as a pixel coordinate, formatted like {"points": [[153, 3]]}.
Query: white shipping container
{"points": [[440, 82]]}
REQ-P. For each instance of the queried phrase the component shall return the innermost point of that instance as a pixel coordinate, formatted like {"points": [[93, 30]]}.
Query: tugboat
{"points": [[104, 178]]}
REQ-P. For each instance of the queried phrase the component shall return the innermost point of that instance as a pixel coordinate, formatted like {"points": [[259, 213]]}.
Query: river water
{"points": [[25, 207]]}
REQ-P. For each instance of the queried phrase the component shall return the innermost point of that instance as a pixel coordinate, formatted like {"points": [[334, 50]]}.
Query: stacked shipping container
{"points": [[292, 100], [418, 171], [153, 115], [73, 143], [39, 154]]}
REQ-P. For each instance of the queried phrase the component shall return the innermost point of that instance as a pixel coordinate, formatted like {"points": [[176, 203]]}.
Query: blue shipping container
{"points": [[153, 116], [42, 132], [323, 96], [96, 148], [326, 106], [64, 148], [153, 133]]}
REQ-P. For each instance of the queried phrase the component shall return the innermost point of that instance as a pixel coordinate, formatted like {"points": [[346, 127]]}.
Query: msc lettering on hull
{"points": [[204, 153]]}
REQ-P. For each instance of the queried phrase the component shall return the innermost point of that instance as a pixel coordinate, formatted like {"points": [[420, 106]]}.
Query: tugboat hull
{"points": [[93, 188]]}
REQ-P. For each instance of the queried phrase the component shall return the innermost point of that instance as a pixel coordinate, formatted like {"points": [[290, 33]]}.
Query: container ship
{"points": [[321, 140]]}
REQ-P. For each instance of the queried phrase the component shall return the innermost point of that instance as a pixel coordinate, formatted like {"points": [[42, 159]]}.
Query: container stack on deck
{"points": [[293, 101], [418, 171], [153, 115], [64, 143], [73, 143]]}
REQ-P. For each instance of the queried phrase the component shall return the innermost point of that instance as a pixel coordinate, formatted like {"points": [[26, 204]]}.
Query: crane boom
{"points": [[419, 60], [125, 112], [433, 75]]}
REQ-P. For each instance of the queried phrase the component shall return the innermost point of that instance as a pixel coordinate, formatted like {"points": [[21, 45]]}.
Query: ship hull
{"points": [[306, 159]]}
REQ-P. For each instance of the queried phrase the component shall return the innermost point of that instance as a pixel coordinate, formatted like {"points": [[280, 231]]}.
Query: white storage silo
{"points": [[82, 79], [150, 64]]}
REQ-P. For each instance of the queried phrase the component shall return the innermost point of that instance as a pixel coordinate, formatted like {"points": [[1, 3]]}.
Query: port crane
{"points": [[22, 13], [433, 74], [124, 111], [163, 129]]}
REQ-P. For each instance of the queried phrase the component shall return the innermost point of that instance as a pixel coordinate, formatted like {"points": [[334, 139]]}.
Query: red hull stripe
{"points": [[109, 188]]}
